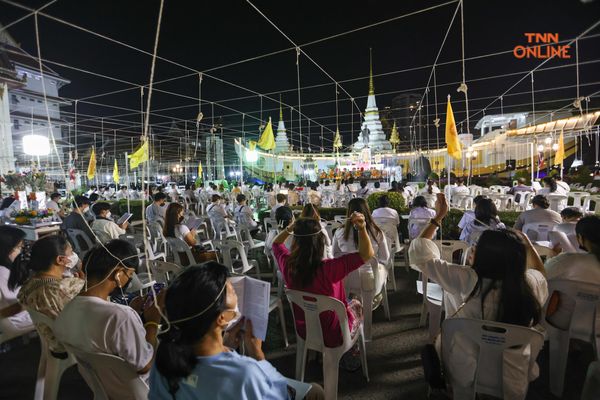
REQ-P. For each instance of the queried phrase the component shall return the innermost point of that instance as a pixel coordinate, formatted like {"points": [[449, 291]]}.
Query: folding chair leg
{"points": [[41, 377], [392, 276], [363, 355], [435, 316], [386, 304], [367, 303], [301, 351], [54, 372], [424, 313]]}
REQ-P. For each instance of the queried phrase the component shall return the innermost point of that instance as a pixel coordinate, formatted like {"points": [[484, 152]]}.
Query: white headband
{"points": [[201, 312]]}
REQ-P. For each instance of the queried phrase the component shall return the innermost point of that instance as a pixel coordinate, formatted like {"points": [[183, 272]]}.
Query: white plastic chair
{"points": [[579, 198], [390, 229], [565, 242], [537, 231], [313, 305], [178, 248], [433, 296], [110, 377], [50, 368], [491, 339], [585, 326], [163, 271], [269, 224], [359, 282], [557, 201], [449, 247], [80, 241], [587, 204], [227, 247], [524, 201]]}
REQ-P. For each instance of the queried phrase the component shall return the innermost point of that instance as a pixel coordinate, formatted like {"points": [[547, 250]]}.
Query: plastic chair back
{"points": [[562, 239], [449, 247], [111, 376], [537, 231], [178, 248], [492, 339], [557, 201], [80, 241], [227, 247], [164, 271]]}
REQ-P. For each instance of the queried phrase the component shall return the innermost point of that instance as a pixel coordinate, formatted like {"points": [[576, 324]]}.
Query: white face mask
{"points": [[235, 318], [108, 214], [73, 260], [86, 209]]}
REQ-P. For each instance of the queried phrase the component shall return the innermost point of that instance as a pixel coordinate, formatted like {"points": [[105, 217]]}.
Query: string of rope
{"points": [[299, 102], [437, 119], [24, 17], [532, 100], [464, 81]]}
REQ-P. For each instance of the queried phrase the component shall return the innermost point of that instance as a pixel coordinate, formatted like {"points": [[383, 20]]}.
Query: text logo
{"points": [[542, 45]]}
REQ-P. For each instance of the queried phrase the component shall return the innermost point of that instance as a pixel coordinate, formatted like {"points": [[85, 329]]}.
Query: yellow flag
{"points": [[559, 156], [394, 138], [337, 140], [452, 141], [139, 156], [199, 169], [91, 172], [116, 173], [267, 140]]}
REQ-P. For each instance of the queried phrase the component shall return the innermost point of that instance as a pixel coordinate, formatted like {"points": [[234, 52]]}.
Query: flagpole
{"points": [[532, 161], [128, 183], [241, 164]]}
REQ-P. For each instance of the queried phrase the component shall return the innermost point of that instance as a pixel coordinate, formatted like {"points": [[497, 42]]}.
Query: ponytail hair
{"points": [[195, 289], [43, 255]]}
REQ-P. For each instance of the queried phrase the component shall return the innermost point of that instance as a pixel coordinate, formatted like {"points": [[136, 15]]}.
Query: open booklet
{"points": [[193, 223], [253, 302], [124, 217]]}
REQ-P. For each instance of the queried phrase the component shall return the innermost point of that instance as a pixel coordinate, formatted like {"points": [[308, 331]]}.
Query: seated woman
{"points": [[243, 214], [217, 214], [383, 210], [506, 283], [47, 290], [92, 324], [430, 188], [303, 268], [419, 216], [486, 217], [175, 228], [13, 319], [196, 357], [345, 240], [550, 187]]}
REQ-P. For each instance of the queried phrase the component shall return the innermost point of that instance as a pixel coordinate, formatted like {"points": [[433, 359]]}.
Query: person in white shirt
{"points": [[92, 324], [469, 215], [550, 187], [376, 187], [539, 214], [314, 196], [419, 216], [383, 210], [175, 228], [486, 217], [580, 267], [174, 193], [157, 209], [217, 214], [570, 216], [13, 318], [505, 283], [243, 214], [123, 194], [364, 191], [103, 225], [54, 205], [562, 184], [281, 200], [460, 189], [430, 188]]}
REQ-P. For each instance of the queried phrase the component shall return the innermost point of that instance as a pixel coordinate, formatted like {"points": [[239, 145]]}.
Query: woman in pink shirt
{"points": [[304, 268]]}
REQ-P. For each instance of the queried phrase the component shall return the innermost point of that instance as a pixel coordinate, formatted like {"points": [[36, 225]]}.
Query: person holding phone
{"points": [[104, 225]]}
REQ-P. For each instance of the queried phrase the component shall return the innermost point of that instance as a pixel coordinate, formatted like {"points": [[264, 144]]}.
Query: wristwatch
{"points": [[434, 222]]}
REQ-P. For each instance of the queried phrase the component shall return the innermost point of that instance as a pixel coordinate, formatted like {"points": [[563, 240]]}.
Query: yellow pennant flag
{"points": [[116, 173], [139, 156], [337, 139], [559, 156], [91, 171], [199, 169], [267, 140], [452, 140]]}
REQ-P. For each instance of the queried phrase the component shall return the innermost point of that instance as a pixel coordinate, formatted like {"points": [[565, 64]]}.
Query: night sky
{"points": [[206, 35]]}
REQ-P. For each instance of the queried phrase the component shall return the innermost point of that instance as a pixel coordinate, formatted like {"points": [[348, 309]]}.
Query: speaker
{"points": [[511, 164]]}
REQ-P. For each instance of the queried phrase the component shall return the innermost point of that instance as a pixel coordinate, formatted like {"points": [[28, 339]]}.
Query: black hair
{"points": [[501, 257], [43, 255], [192, 291], [377, 185], [548, 180], [419, 201], [485, 212], [306, 255], [123, 187], [80, 201], [541, 201], [240, 197], [94, 197], [7, 202], [215, 197], [589, 229], [283, 216], [571, 212], [10, 237], [394, 185], [101, 260], [281, 197], [383, 201], [54, 195], [159, 196], [430, 186], [363, 183], [478, 198], [97, 208]]}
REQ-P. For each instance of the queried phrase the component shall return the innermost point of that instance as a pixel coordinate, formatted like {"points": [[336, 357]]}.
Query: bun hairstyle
{"points": [[198, 289]]}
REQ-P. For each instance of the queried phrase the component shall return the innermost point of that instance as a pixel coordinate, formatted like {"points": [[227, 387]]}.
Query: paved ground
{"points": [[393, 358]]}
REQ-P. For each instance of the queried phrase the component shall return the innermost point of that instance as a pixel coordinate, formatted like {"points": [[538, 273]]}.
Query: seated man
{"points": [[157, 209], [217, 214], [460, 189], [243, 214], [92, 324], [76, 220], [281, 200], [54, 205], [104, 226], [520, 188], [364, 191], [123, 193]]}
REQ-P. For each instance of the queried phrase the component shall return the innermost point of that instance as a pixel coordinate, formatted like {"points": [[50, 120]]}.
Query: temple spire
{"points": [[280, 109], [371, 87]]}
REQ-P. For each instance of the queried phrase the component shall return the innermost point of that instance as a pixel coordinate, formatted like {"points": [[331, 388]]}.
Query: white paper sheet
{"points": [[253, 302]]}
